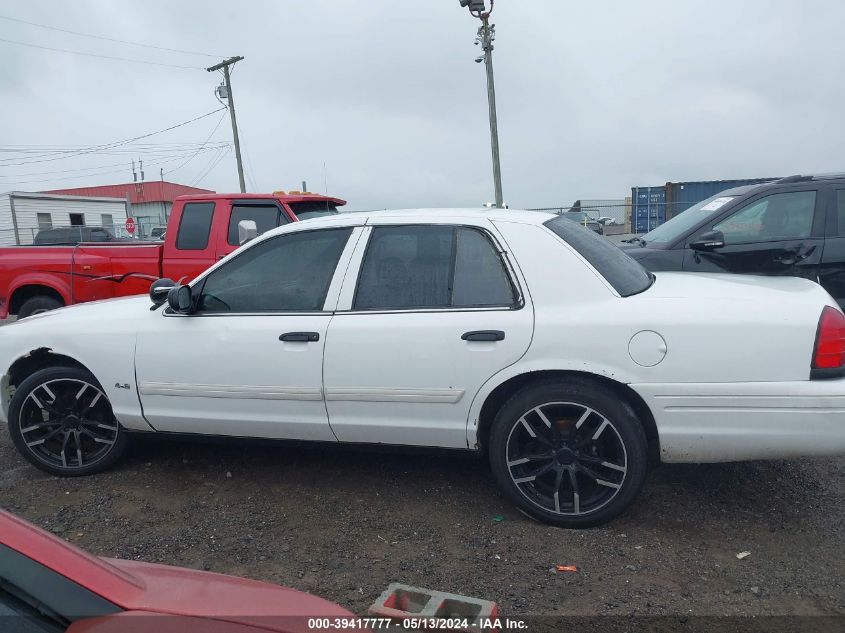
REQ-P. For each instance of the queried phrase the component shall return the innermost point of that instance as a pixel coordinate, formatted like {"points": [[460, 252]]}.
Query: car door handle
{"points": [[300, 337], [483, 335]]}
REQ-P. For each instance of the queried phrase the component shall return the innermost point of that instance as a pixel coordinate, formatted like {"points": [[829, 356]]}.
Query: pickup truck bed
{"points": [[200, 230]]}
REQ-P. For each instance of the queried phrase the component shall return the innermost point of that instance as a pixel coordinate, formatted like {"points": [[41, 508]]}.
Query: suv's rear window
{"points": [[626, 275]]}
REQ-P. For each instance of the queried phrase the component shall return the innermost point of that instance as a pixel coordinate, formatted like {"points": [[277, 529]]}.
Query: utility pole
{"points": [[231, 99], [485, 36]]}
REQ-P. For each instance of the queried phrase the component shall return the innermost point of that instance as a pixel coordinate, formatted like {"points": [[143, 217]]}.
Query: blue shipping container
{"points": [[648, 208], [682, 195]]}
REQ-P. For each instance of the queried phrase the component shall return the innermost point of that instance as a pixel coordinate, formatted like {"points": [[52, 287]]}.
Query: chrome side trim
{"points": [[428, 396], [236, 392]]}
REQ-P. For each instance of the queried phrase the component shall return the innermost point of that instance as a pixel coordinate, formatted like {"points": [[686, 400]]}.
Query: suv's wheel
{"points": [[568, 453], [62, 422], [37, 305]]}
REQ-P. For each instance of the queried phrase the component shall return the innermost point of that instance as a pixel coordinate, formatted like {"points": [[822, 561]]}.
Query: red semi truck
{"points": [[201, 229]]}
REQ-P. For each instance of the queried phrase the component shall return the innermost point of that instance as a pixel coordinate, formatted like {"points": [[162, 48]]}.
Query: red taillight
{"points": [[830, 340]]}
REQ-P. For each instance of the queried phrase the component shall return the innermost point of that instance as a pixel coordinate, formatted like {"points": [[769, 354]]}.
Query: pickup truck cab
{"points": [[201, 230], [794, 226]]}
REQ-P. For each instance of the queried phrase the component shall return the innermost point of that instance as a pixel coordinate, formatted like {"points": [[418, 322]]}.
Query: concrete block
{"points": [[400, 601]]}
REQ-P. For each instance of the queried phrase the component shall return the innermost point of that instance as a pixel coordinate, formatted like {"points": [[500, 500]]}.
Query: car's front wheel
{"points": [[62, 422], [568, 453]]}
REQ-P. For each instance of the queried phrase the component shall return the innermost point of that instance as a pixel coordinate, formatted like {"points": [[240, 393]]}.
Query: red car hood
{"points": [[174, 590], [152, 590]]}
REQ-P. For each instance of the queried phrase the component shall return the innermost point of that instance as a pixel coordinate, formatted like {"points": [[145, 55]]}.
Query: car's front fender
{"points": [[103, 342]]}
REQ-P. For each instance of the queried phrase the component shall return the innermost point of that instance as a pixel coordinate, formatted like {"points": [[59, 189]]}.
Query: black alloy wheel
{"points": [[62, 422], [568, 453]]}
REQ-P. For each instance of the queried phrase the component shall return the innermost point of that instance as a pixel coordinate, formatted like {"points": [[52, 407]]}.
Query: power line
{"points": [[214, 162], [182, 151], [111, 57], [201, 147], [130, 148], [106, 146], [106, 39], [95, 170], [114, 171]]}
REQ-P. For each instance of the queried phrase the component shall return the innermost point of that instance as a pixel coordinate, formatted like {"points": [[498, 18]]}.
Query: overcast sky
{"points": [[593, 97]]}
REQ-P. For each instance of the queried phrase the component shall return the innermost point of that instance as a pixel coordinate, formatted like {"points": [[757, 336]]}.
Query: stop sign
{"points": [[130, 226]]}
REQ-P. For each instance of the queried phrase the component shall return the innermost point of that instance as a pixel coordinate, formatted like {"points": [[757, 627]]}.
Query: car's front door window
{"points": [[288, 273], [781, 216], [265, 216]]}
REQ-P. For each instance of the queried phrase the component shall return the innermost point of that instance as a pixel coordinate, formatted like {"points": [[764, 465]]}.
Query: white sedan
{"points": [[510, 332]]}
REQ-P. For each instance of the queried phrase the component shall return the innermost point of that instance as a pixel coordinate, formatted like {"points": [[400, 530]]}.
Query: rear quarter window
{"points": [[195, 226], [623, 273]]}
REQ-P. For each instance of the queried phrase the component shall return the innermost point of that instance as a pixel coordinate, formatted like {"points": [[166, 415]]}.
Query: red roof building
{"points": [[149, 202]]}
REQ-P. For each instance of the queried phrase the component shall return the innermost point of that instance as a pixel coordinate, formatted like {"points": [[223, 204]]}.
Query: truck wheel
{"points": [[62, 422], [568, 453], [37, 305]]}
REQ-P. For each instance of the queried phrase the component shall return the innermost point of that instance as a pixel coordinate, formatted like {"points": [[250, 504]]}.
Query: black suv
{"points": [[70, 235], [792, 226]]}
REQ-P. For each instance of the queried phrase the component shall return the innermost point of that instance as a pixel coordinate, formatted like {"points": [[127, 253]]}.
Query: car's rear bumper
{"points": [[723, 422]]}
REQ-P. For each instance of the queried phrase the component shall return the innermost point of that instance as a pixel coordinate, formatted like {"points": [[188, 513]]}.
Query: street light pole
{"points": [[231, 99], [486, 35]]}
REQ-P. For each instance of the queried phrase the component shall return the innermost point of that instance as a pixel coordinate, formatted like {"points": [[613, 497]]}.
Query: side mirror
{"points": [[160, 289], [179, 299], [709, 241], [247, 230]]}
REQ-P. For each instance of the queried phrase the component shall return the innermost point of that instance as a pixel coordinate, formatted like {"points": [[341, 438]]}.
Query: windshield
{"points": [[671, 230], [315, 209], [622, 272]]}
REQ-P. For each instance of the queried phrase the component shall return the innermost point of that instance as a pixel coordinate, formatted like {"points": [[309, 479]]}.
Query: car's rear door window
{"points": [[481, 278], [430, 267], [195, 226]]}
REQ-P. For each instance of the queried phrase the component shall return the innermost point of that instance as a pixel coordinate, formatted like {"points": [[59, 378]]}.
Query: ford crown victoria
{"points": [[512, 333]]}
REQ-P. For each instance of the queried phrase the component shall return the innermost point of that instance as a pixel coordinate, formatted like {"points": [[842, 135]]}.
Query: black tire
{"points": [[38, 304], [77, 422], [540, 443]]}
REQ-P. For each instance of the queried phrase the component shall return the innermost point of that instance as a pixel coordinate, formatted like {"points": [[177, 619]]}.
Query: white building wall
{"points": [[27, 206], [150, 214]]}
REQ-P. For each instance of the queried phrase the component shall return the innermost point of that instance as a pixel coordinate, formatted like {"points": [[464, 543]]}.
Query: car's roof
{"points": [[412, 216], [435, 215], [834, 177]]}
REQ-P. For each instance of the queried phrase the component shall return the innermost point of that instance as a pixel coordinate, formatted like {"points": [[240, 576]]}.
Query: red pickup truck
{"points": [[201, 229]]}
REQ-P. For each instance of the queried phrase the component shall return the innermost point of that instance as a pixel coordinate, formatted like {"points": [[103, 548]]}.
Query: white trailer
{"points": [[23, 214]]}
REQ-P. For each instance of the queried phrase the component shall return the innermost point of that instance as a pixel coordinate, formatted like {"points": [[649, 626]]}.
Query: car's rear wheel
{"points": [[37, 305], [62, 422], [568, 453]]}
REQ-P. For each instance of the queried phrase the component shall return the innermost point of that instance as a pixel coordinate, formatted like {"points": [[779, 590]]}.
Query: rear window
{"points": [[313, 209], [195, 226], [626, 275]]}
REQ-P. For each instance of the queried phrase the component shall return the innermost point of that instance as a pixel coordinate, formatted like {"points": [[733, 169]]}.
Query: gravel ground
{"points": [[344, 524]]}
